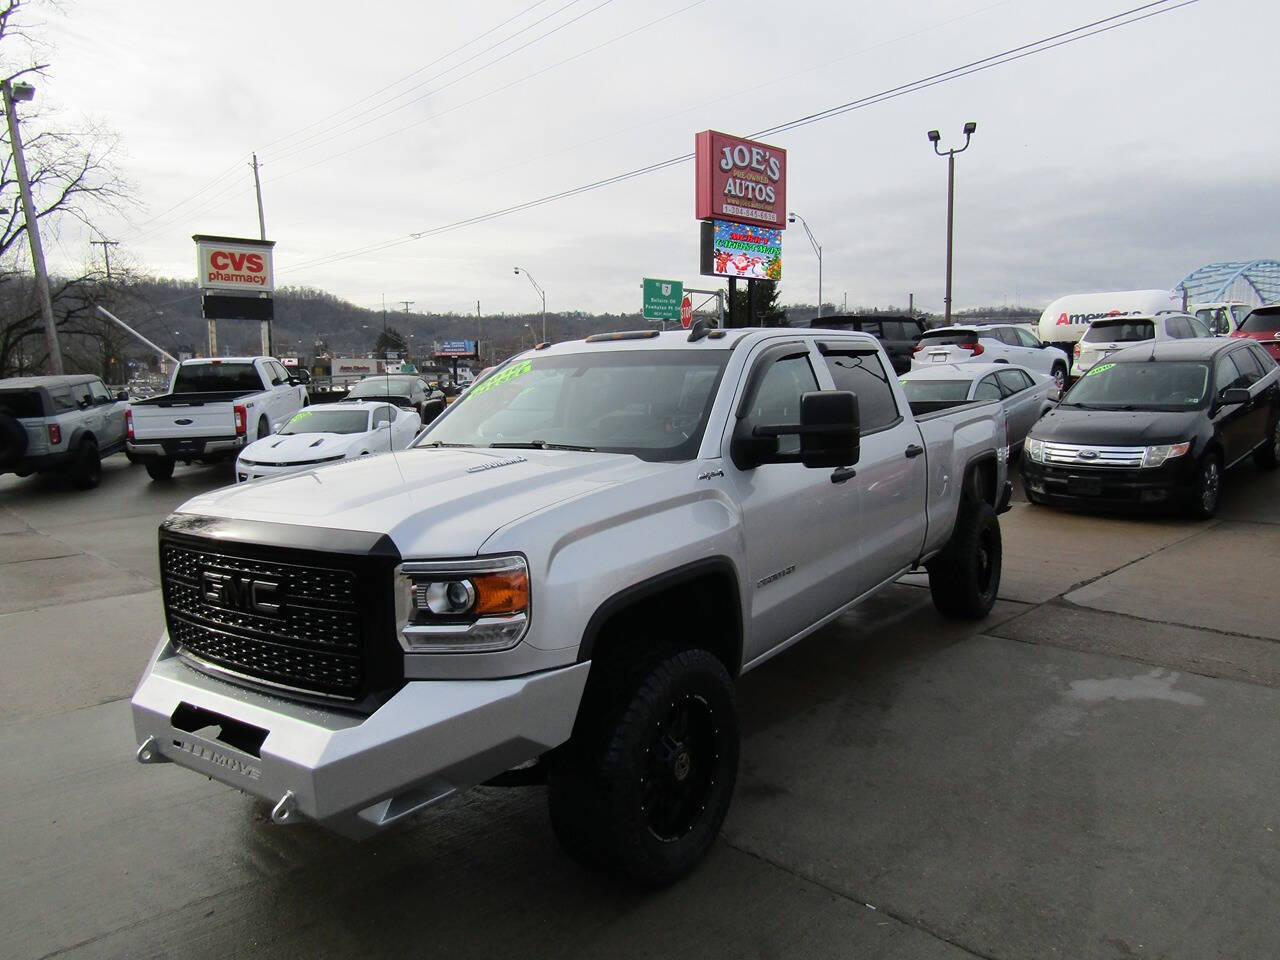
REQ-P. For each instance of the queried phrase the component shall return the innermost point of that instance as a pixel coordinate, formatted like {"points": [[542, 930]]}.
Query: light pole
{"points": [[817, 248], [542, 293], [934, 137], [25, 91]]}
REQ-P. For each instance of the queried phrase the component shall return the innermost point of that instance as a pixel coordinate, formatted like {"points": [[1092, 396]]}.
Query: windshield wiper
{"points": [[442, 443], [542, 445]]}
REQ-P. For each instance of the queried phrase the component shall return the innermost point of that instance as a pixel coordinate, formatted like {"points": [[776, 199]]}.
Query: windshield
{"points": [[928, 391], [1119, 331], [945, 337], [1261, 321], [1142, 385], [327, 421], [653, 404], [382, 387], [213, 377]]}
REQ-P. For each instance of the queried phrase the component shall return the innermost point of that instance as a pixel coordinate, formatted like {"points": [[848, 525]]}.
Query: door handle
{"points": [[914, 451], [842, 474]]}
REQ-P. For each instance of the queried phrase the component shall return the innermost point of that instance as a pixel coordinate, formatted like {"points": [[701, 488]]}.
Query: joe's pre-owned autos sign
{"points": [[230, 263], [741, 180]]}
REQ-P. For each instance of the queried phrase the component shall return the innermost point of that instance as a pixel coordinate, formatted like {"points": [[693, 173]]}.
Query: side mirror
{"points": [[122, 395], [828, 429], [1234, 395]]}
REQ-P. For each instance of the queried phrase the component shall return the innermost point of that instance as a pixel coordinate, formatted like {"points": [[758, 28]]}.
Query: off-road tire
{"points": [[1206, 495], [86, 470], [964, 579], [1267, 456], [13, 440], [264, 428], [159, 468], [642, 789]]}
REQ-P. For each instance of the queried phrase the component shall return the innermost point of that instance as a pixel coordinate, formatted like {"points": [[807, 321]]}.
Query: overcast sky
{"points": [[1121, 161]]}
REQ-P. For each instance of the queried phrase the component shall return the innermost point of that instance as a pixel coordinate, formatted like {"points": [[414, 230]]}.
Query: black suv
{"points": [[898, 334]]}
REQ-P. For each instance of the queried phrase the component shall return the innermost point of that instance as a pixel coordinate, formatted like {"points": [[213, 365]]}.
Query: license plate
{"points": [[939, 358], [1084, 486]]}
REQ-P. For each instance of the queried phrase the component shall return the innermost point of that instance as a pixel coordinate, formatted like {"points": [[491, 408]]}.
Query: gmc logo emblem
{"points": [[241, 593]]}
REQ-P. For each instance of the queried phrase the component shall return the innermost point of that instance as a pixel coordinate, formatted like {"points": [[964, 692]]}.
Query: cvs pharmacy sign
{"points": [[231, 263]]}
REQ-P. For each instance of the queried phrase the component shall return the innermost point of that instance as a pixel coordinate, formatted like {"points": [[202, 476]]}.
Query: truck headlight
{"points": [[462, 606], [1035, 449], [1156, 456]]}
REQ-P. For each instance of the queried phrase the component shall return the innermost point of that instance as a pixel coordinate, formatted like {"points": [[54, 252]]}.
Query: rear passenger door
{"points": [[891, 476]]}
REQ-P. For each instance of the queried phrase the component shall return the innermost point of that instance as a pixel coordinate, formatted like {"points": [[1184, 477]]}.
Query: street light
{"points": [[934, 137], [542, 293], [22, 92], [817, 248]]}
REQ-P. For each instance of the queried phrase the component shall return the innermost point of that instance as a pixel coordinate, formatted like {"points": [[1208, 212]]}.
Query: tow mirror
{"points": [[828, 430], [1234, 395]]}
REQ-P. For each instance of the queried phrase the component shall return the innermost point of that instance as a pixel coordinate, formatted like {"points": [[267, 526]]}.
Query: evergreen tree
{"points": [[768, 313]]}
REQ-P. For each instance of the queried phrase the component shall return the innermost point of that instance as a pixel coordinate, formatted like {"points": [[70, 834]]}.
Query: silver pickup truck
{"points": [[559, 581], [214, 408]]}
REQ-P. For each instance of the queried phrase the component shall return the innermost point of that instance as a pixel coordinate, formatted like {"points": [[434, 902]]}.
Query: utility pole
{"points": [[262, 235], [24, 91], [911, 304], [478, 360], [106, 246]]}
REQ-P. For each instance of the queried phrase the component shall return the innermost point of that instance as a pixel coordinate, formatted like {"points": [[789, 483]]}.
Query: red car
{"points": [[1263, 325]]}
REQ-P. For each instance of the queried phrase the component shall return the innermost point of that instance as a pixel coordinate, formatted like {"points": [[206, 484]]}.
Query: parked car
{"points": [[897, 334], [361, 642], [214, 407], [1065, 320], [404, 391], [990, 343], [1263, 325], [327, 434], [1104, 337], [60, 424], [1157, 425], [1222, 318], [1025, 394]]}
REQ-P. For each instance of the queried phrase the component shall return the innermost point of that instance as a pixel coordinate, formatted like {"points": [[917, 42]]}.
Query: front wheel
{"points": [[644, 786], [1208, 488], [1267, 456], [1060, 379], [964, 578]]}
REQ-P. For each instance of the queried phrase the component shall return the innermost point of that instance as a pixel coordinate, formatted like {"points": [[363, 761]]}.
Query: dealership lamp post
{"points": [[934, 137], [25, 91], [542, 293], [817, 248]]}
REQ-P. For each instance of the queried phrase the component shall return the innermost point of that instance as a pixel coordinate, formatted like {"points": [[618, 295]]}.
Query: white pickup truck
{"points": [[214, 407], [559, 581]]}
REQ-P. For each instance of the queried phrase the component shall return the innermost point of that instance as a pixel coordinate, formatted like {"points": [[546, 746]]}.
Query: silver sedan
{"points": [[1025, 394]]}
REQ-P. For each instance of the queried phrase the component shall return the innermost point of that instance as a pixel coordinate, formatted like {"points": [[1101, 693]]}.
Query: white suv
{"points": [[1107, 335], [990, 343]]}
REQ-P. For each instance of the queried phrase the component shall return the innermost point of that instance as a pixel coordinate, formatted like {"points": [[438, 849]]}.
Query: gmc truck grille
{"points": [[292, 626]]}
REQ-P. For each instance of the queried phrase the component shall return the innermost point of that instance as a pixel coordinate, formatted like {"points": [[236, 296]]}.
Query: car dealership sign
{"points": [[234, 264], [740, 180]]}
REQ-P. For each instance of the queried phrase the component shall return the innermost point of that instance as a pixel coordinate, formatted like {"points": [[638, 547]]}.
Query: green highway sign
{"points": [[662, 299]]}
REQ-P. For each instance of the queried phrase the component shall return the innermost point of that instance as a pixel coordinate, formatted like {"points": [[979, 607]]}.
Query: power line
{"points": [[357, 123], [1085, 31]]}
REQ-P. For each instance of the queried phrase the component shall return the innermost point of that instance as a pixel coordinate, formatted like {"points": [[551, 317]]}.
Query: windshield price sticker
{"points": [[1100, 369], [505, 376]]}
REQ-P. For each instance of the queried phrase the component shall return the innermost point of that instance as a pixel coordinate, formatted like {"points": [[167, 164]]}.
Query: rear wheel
{"points": [[264, 428], [1060, 378], [644, 787], [964, 578], [1208, 488], [1267, 456], [86, 472], [159, 468]]}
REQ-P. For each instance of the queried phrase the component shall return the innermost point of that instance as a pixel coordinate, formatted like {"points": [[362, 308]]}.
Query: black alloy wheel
{"points": [[1208, 489], [1267, 456]]}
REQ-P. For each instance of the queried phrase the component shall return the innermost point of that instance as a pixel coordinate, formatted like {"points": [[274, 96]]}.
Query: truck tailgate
{"points": [[183, 418]]}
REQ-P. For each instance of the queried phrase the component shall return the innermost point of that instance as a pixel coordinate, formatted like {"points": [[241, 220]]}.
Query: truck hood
{"points": [[1118, 428], [432, 502]]}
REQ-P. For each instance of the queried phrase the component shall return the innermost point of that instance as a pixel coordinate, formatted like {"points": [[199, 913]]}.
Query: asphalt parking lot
{"points": [[1090, 772]]}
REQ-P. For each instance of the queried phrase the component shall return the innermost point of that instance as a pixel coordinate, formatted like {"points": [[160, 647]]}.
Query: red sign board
{"points": [[740, 180], [686, 312]]}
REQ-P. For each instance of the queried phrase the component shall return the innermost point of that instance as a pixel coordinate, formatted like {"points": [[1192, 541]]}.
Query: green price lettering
{"points": [[505, 376], [1103, 368]]}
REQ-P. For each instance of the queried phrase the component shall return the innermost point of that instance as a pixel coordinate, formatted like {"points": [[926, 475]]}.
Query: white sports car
{"points": [[328, 433]]}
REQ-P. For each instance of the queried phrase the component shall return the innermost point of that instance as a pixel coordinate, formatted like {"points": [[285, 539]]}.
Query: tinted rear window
{"points": [[22, 403], [1261, 321], [1119, 331], [944, 338], [215, 377], [924, 391]]}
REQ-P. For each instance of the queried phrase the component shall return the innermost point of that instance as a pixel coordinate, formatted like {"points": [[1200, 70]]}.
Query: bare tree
{"points": [[74, 178]]}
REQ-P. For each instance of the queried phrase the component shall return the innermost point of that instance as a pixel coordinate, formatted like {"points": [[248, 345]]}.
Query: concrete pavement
{"points": [[1090, 772]]}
